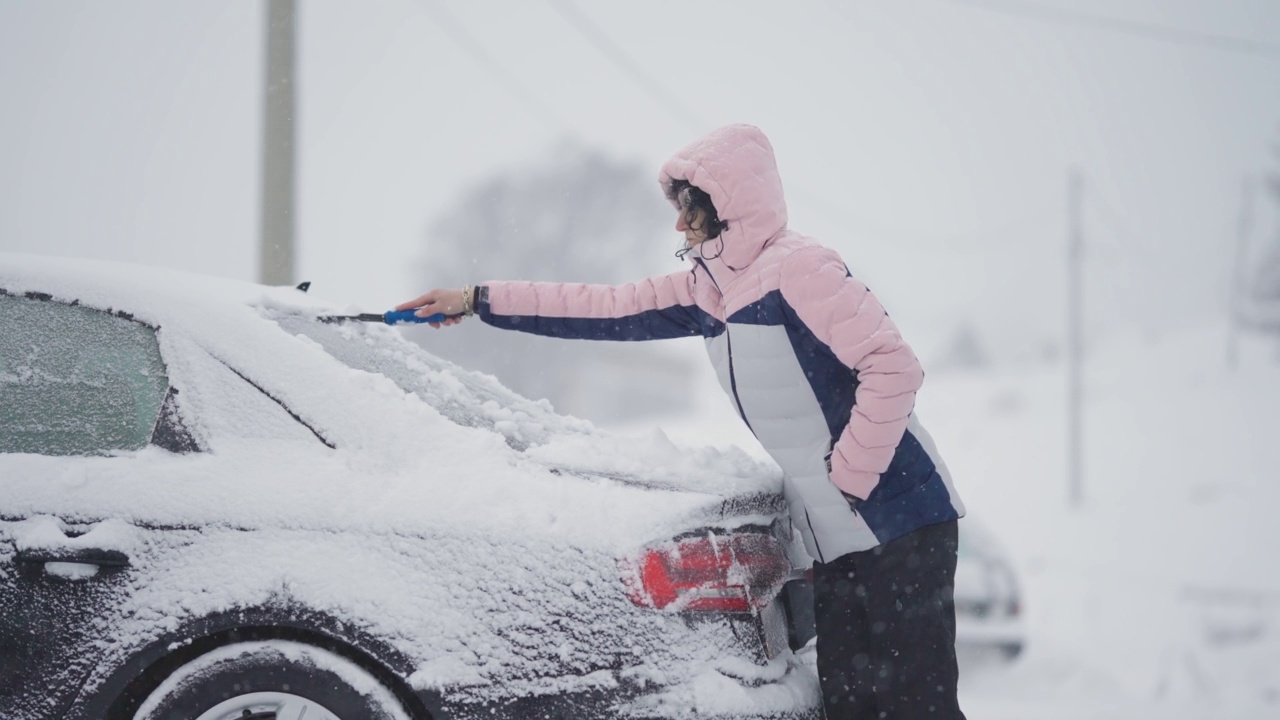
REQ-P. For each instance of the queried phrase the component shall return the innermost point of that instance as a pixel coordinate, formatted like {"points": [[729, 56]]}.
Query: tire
{"points": [[270, 680]]}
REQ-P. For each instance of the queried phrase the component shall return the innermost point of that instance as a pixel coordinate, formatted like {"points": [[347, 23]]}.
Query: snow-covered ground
{"points": [[1157, 597]]}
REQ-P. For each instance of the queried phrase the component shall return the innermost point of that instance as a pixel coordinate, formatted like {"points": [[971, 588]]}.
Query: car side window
{"points": [[76, 381]]}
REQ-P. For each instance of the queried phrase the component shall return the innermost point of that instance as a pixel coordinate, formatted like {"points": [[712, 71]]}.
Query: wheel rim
{"points": [[268, 706]]}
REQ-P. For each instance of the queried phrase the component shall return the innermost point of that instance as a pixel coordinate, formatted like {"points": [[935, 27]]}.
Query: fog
{"points": [[929, 141]]}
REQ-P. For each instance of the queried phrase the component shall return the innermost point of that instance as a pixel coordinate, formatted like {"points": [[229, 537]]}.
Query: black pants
{"points": [[886, 625]]}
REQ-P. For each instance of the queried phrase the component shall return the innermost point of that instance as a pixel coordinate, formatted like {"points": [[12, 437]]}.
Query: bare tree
{"points": [[577, 215]]}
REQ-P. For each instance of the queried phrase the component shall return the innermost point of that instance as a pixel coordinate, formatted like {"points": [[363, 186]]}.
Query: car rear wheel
{"points": [[270, 680]]}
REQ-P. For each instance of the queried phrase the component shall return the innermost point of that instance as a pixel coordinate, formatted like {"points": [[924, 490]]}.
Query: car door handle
{"points": [[101, 557]]}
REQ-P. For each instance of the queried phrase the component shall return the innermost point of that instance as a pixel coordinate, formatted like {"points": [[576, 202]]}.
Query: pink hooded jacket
{"points": [[810, 359]]}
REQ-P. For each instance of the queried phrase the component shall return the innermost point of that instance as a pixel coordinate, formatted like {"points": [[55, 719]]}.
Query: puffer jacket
{"points": [[807, 355]]}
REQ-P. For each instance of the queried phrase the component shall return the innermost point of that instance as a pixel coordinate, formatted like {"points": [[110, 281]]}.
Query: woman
{"points": [[819, 373]]}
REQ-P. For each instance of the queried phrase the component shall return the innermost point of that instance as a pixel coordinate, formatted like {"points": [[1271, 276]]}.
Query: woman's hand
{"points": [[448, 302]]}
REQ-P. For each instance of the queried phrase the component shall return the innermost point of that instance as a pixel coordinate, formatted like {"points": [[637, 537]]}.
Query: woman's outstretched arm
{"points": [[652, 309]]}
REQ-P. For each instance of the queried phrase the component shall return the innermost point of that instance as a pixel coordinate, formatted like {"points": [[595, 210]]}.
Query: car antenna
{"points": [[304, 285]]}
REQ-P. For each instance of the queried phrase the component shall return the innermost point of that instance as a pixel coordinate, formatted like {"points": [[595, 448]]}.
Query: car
{"points": [[989, 605], [214, 505]]}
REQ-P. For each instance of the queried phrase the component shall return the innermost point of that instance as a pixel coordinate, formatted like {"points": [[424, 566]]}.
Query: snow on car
{"points": [[213, 506]]}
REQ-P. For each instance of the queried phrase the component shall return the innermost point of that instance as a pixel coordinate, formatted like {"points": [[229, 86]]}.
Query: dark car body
{"points": [[189, 466]]}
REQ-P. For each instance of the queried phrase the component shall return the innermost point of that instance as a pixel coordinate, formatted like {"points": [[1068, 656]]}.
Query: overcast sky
{"points": [[927, 140]]}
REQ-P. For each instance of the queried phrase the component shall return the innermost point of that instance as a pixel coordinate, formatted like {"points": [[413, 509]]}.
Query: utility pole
{"points": [[276, 240], [1239, 280], [1075, 336]]}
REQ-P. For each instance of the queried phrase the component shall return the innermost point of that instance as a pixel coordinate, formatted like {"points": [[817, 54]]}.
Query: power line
{"points": [[1001, 237], [686, 116], [1148, 31], [450, 26], [680, 112], [592, 33]]}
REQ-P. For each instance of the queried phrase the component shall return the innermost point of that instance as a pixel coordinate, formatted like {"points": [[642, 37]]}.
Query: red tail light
{"points": [[713, 573]]}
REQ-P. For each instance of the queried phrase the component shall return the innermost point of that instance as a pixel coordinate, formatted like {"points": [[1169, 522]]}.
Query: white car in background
{"points": [[988, 599]]}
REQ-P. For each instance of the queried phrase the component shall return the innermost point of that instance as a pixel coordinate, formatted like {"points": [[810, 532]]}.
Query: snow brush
{"points": [[391, 317]]}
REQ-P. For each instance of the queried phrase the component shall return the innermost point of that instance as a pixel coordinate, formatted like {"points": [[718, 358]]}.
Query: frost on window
{"points": [[76, 381]]}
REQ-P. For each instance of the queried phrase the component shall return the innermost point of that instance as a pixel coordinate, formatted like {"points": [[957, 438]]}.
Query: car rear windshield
{"points": [[467, 398]]}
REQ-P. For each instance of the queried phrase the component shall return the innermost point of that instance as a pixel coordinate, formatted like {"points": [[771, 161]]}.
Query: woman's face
{"points": [[693, 223]]}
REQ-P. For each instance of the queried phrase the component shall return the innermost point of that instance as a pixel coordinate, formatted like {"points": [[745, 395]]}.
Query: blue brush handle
{"points": [[394, 317]]}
